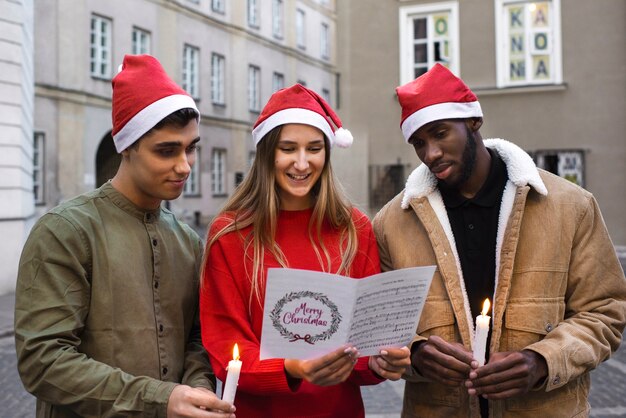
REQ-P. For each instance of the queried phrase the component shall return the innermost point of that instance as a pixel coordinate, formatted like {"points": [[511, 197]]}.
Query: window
{"points": [[277, 18], [100, 46], [325, 41], [218, 6], [218, 172], [300, 29], [569, 164], [326, 95], [278, 82], [38, 167], [529, 42], [217, 79], [253, 13], [191, 56], [192, 185], [428, 34], [254, 88], [385, 181], [141, 41], [239, 175]]}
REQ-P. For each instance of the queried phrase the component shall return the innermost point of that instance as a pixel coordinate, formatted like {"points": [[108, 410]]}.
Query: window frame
{"points": [[191, 82], [39, 165], [325, 40], [254, 88], [146, 36], [539, 156], [97, 49], [218, 6], [192, 185], [278, 81], [502, 48], [253, 18], [301, 29], [407, 14], [218, 79], [218, 172], [326, 95], [278, 19]]}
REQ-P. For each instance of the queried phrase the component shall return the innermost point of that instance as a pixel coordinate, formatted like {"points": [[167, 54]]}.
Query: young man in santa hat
{"points": [[106, 313], [497, 227]]}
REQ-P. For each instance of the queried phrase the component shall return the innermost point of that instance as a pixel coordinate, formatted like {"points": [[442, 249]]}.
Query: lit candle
{"points": [[480, 336], [232, 378]]}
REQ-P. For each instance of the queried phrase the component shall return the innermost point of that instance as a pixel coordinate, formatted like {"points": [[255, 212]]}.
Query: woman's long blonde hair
{"points": [[256, 202]]}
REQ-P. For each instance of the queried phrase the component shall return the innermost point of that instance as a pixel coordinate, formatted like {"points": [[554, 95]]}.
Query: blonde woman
{"points": [[288, 212]]}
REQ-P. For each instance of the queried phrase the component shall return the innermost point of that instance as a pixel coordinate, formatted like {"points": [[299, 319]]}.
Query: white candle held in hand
{"points": [[480, 336], [232, 378]]}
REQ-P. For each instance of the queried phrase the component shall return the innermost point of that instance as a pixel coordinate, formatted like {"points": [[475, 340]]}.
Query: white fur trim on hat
{"points": [[293, 115], [149, 116], [449, 110]]}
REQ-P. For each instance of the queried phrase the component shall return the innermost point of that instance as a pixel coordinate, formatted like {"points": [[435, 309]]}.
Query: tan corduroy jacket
{"points": [[560, 289]]}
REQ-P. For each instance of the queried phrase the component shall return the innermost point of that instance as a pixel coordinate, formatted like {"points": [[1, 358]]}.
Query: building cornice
{"points": [[90, 99], [497, 91], [71, 95]]}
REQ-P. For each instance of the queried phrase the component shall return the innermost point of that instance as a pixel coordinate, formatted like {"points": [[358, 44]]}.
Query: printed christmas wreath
{"points": [[275, 316]]}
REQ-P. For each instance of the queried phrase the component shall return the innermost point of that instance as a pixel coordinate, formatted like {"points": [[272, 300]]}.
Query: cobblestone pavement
{"points": [[607, 398]]}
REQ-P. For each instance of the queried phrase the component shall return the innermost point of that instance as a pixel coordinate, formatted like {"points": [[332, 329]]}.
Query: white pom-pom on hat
{"points": [[343, 138]]}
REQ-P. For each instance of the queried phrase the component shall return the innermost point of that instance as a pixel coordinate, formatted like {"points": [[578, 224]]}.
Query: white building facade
{"points": [[18, 176], [229, 55]]}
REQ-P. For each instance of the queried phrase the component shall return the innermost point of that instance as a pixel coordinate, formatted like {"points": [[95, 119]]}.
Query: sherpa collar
{"points": [[520, 167]]}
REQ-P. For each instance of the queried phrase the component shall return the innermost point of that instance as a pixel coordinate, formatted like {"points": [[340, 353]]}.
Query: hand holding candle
{"points": [[480, 336], [232, 378]]}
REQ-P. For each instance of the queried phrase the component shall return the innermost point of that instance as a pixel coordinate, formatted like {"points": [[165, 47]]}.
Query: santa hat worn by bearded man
{"points": [[143, 95], [297, 104], [435, 95]]}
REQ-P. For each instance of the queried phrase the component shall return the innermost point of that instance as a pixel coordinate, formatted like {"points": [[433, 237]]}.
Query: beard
{"points": [[467, 164]]}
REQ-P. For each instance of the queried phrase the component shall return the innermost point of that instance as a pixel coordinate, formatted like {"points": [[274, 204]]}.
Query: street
{"points": [[607, 397]]}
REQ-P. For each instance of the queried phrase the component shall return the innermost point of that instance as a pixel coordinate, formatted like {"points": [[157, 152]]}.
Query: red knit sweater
{"points": [[224, 312]]}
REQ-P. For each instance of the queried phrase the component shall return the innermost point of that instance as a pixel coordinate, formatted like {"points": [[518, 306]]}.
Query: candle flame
{"points": [[486, 306], [236, 352]]}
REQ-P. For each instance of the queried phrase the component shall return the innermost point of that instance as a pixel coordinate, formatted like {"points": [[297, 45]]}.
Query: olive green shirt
{"points": [[106, 312]]}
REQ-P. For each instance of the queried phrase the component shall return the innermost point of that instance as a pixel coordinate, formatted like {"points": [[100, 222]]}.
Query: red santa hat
{"points": [[143, 94], [437, 94], [297, 104]]}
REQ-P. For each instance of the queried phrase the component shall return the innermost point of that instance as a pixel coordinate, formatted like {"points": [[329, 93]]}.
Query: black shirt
{"points": [[474, 224]]}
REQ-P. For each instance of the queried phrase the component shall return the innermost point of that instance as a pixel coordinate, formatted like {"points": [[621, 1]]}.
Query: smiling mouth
{"points": [[298, 177]]}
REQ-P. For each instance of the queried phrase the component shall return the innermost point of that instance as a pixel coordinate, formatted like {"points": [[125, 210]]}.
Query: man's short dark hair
{"points": [[178, 119]]}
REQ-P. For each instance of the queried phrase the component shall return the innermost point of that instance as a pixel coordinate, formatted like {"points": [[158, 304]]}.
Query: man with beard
{"points": [[497, 227]]}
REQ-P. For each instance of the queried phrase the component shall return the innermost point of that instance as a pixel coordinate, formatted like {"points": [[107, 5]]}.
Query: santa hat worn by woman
{"points": [[298, 104]]}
